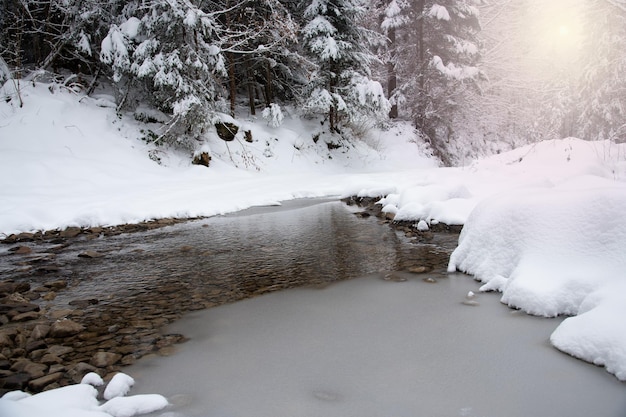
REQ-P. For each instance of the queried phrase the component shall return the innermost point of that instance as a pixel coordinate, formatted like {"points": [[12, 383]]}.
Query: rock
{"points": [[7, 287], [21, 250], [40, 383], [24, 237], [78, 371], [60, 314], [56, 285], [49, 296], [84, 303], [167, 351], [70, 232], [58, 350], [90, 254], [64, 328], [201, 158], [48, 269], [49, 359], [16, 381], [35, 370], [31, 315], [105, 359], [226, 131], [40, 331], [418, 269], [6, 337], [56, 368], [248, 136], [35, 344], [31, 296]]}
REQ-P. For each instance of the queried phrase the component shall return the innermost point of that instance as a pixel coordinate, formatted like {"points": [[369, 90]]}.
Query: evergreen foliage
{"points": [[340, 86], [433, 55], [193, 60]]}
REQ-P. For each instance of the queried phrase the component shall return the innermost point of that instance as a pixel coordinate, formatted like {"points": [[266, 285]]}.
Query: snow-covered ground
{"points": [[544, 224]]}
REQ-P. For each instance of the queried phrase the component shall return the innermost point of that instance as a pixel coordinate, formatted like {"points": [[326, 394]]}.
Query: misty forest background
{"points": [[473, 77]]}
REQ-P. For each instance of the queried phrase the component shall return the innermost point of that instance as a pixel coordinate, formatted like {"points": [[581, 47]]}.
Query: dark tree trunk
{"points": [[232, 85], [421, 67], [392, 80], [251, 83]]}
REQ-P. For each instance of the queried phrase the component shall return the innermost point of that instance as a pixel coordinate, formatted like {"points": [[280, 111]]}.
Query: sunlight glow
{"points": [[563, 30], [555, 35]]}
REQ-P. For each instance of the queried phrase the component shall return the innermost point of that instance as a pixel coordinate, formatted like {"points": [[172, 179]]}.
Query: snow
{"points": [[93, 379], [119, 386], [543, 224], [439, 12], [78, 400], [557, 250]]}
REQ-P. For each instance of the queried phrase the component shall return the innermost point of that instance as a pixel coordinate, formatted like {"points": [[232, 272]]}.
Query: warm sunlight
{"points": [[555, 34]]}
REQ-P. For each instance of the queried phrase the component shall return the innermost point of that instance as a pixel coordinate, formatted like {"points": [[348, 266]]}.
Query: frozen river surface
{"points": [[371, 347]]}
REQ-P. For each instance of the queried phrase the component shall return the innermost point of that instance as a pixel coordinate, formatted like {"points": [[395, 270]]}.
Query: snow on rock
{"points": [[92, 378], [119, 386], [134, 405], [79, 400], [557, 250], [447, 203]]}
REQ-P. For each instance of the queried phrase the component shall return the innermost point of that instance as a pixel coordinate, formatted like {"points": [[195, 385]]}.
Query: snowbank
{"points": [[557, 250], [69, 160], [81, 400]]}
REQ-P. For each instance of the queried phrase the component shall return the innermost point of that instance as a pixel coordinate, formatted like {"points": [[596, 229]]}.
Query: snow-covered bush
{"points": [[273, 115]]}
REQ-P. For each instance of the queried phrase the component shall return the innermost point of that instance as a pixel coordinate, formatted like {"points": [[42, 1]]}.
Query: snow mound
{"points": [[80, 400], [447, 203], [119, 386], [557, 250]]}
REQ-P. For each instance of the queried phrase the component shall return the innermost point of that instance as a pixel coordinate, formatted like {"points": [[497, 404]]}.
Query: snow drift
{"points": [[557, 251]]}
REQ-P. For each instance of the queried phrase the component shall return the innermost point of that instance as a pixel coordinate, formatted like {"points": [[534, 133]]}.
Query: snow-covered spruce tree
{"points": [[261, 59], [340, 86], [602, 92], [172, 52], [434, 58], [52, 34]]}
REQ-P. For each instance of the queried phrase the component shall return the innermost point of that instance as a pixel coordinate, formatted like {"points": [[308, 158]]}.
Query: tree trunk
{"points": [[269, 94], [421, 67], [232, 87], [251, 83], [392, 80]]}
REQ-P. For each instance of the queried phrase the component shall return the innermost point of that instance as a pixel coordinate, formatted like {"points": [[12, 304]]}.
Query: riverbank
{"points": [[51, 335]]}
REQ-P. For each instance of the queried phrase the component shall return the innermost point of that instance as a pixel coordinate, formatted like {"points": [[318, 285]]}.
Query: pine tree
{"points": [[602, 96], [340, 86], [168, 50], [434, 59], [261, 61]]}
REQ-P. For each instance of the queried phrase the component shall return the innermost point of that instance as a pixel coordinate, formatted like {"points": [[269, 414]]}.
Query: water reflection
{"points": [[223, 259]]}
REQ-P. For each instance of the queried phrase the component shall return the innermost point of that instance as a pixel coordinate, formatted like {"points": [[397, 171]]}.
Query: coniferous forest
{"points": [[466, 73]]}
